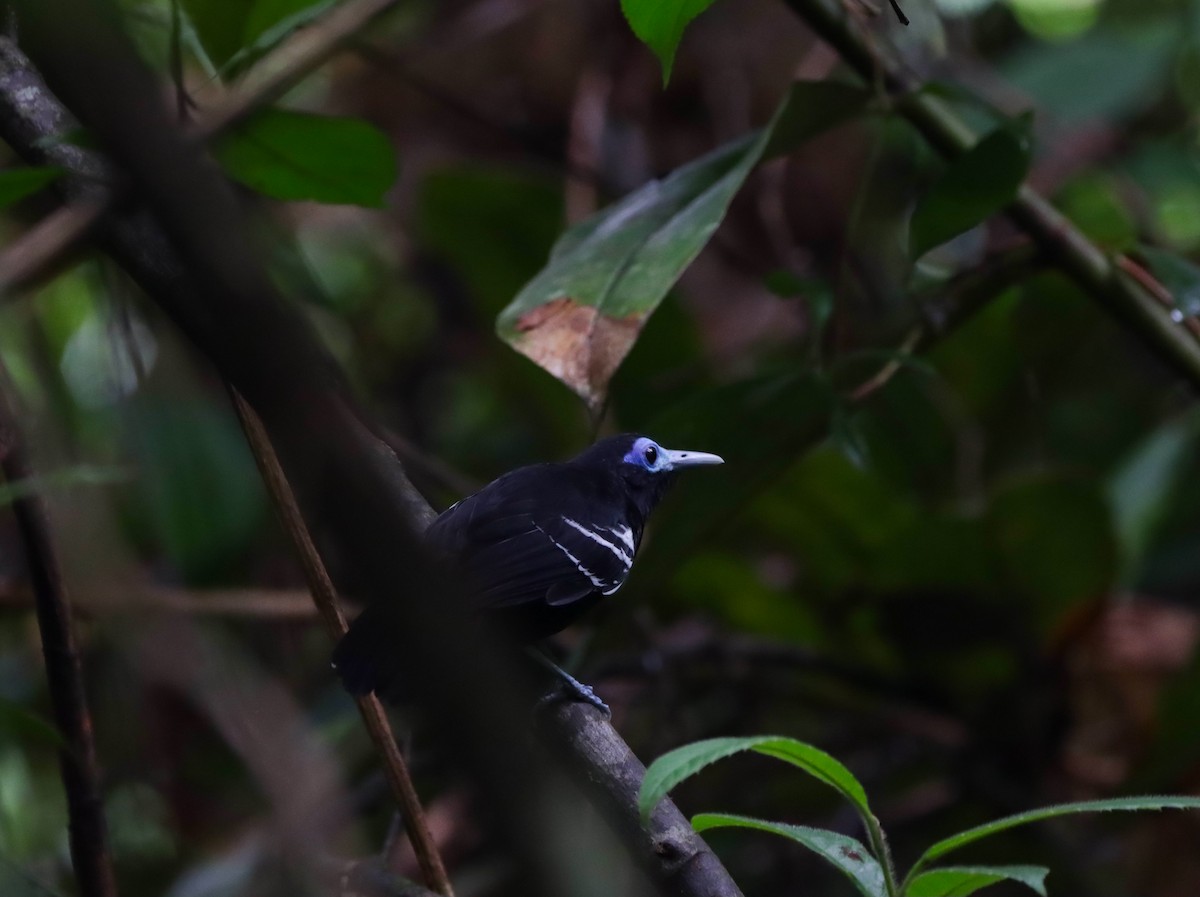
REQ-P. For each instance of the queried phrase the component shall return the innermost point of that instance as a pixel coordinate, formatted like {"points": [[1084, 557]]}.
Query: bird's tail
{"points": [[365, 658]]}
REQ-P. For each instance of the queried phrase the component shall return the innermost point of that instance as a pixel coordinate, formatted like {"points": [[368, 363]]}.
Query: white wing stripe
{"points": [[621, 555], [595, 580], [624, 533]]}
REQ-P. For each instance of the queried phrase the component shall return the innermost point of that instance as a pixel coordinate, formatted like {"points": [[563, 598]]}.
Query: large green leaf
{"points": [[17, 183], [961, 881], [848, 855], [1126, 804], [579, 317], [684, 762], [974, 186], [659, 25], [297, 156]]}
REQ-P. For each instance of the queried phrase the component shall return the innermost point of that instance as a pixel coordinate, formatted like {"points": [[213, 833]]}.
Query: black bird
{"points": [[537, 548]]}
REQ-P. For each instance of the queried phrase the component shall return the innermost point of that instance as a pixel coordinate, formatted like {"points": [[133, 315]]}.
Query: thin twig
{"points": [[954, 303], [280, 70], [880, 378], [261, 604], [37, 250], [88, 831], [324, 595]]}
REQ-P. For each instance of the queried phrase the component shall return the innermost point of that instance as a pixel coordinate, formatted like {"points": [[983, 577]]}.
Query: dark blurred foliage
{"points": [[977, 586]]}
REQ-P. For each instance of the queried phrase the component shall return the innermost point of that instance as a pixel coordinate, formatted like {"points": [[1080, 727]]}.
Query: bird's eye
{"points": [[651, 454]]}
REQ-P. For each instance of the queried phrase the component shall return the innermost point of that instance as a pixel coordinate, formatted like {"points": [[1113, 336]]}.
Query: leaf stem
{"points": [[879, 846]]}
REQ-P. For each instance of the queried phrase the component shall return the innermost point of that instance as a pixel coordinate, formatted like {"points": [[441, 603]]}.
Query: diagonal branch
{"points": [[325, 597], [90, 855], [1160, 327]]}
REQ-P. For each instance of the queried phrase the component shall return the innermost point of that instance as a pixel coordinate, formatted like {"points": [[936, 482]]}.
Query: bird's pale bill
{"points": [[682, 458]]}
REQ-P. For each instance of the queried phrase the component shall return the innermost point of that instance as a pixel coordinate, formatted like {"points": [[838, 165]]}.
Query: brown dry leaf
{"points": [[578, 344]]}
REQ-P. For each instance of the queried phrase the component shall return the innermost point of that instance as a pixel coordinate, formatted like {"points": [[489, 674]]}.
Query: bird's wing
{"points": [[516, 542]]}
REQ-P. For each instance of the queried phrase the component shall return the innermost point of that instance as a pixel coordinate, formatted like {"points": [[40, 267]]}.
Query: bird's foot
{"points": [[569, 687], [574, 690]]}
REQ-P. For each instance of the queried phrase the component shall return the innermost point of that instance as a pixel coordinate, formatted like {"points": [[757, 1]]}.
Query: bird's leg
{"points": [[571, 685]]}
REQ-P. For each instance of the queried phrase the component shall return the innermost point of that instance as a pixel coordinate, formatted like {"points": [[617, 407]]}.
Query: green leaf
{"points": [[1142, 488], [297, 156], [977, 184], [580, 316], [960, 881], [659, 25], [684, 762], [1118, 804], [17, 183], [846, 854]]}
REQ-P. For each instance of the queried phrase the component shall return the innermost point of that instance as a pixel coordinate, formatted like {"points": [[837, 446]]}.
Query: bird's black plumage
{"points": [[537, 547]]}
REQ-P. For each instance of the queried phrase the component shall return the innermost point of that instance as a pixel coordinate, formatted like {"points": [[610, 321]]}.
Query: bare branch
{"points": [[80, 769], [324, 595]]}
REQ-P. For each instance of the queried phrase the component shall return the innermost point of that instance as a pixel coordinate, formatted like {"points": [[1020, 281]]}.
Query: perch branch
{"points": [[603, 765], [1089, 266], [88, 832]]}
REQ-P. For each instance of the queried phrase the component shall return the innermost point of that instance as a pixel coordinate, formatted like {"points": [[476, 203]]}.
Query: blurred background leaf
{"points": [[17, 183], [294, 156]]}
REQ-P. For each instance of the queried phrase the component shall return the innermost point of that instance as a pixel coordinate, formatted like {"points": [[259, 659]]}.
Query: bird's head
{"points": [[646, 467]]}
